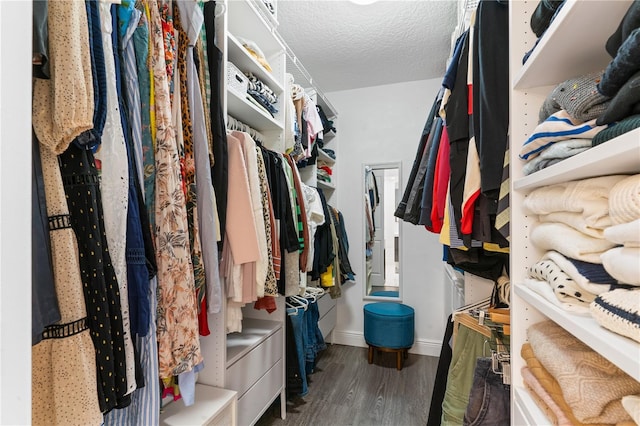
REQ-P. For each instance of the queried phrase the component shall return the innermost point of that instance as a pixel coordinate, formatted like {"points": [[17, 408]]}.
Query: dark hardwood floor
{"points": [[346, 390]]}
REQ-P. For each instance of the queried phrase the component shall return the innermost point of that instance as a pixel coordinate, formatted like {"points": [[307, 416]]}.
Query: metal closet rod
{"points": [[294, 59]]}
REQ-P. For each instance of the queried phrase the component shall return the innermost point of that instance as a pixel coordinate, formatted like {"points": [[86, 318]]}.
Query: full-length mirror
{"points": [[381, 255]]}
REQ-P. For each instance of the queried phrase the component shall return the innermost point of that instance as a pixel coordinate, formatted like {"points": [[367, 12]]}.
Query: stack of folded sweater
{"points": [[262, 94], [590, 231], [619, 310], [567, 123], [588, 110], [572, 384]]}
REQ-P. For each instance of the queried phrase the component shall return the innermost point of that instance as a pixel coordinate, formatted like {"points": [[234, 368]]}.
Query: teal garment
{"points": [[469, 346], [141, 46]]}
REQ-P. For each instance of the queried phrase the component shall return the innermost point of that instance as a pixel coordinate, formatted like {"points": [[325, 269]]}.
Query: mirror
{"points": [[382, 266]]}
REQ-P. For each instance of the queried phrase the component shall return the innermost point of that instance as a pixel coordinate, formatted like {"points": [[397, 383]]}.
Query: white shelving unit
{"points": [[251, 364], [569, 48]]}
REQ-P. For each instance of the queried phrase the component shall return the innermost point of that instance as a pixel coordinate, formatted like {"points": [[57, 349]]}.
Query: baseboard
{"points": [[351, 338]]}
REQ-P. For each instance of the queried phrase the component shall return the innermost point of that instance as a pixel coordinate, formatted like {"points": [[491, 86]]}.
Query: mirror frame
{"points": [[365, 296]]}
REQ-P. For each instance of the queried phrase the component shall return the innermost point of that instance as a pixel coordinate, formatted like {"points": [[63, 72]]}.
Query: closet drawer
{"points": [[259, 397], [325, 304], [328, 322], [242, 374]]}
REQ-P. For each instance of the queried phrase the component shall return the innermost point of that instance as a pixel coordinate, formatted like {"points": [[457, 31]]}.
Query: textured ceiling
{"points": [[346, 46]]}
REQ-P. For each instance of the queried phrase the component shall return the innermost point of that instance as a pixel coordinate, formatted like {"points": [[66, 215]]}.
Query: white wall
{"points": [[378, 125]]}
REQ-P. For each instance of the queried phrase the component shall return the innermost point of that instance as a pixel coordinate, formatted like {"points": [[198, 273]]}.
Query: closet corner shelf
{"points": [[210, 401], [248, 113], [253, 332], [325, 157], [245, 19], [245, 63], [618, 349], [326, 185], [619, 155], [328, 137], [526, 408], [266, 13], [558, 56]]}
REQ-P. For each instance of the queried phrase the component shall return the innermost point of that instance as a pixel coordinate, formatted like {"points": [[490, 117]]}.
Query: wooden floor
{"points": [[346, 390]]}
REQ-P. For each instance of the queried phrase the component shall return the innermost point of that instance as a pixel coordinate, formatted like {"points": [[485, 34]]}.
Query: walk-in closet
{"points": [[319, 212]]}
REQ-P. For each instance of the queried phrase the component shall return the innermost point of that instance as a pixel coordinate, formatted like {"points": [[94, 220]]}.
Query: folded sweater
{"points": [[573, 268], [627, 234], [556, 153], [559, 127], [619, 311], [623, 264], [569, 242], [551, 385], [591, 385], [624, 200], [589, 197]]}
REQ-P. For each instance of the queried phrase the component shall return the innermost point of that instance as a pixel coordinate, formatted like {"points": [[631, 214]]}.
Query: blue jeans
{"points": [[298, 321], [315, 341], [489, 398]]}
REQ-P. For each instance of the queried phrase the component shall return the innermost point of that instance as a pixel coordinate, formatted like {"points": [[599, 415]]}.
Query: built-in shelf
{"points": [[623, 352], [209, 403], [244, 110], [325, 157], [328, 137], [242, 59], [254, 331], [619, 156], [264, 11], [527, 409], [326, 185], [572, 46], [256, 29]]}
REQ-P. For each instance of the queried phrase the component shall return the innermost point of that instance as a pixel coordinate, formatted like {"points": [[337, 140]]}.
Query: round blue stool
{"points": [[389, 327]]}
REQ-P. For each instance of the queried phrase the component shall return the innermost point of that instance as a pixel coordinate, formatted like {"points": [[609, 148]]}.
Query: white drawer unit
{"points": [[328, 314], [246, 371], [213, 406], [260, 396]]}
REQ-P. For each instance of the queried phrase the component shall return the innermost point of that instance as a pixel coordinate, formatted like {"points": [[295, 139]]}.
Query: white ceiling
{"points": [[346, 46]]}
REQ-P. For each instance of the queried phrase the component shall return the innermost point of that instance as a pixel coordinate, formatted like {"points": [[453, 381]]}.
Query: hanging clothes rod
{"points": [[305, 74], [235, 124]]}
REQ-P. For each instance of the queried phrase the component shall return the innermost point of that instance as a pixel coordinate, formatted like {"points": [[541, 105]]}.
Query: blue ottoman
{"points": [[386, 293], [389, 327]]}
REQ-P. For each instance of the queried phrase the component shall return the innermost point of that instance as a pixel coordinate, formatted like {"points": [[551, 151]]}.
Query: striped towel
{"points": [[558, 127]]}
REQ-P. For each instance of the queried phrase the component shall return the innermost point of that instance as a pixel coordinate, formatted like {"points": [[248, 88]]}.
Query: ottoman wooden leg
{"points": [[399, 359], [370, 354], [406, 353]]}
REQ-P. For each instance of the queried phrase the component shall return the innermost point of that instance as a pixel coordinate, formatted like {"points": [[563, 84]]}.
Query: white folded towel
{"points": [[589, 197], [627, 234], [568, 241], [623, 264], [570, 269], [624, 200]]}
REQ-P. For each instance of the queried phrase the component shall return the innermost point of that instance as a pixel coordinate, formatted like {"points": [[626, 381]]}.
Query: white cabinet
{"points": [[569, 48], [328, 315]]}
